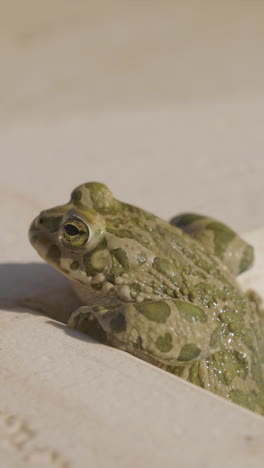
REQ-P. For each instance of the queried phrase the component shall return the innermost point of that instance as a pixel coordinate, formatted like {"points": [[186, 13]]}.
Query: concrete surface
{"points": [[69, 402], [163, 101]]}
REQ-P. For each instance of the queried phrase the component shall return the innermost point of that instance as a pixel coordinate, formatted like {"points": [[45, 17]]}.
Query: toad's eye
{"points": [[71, 230], [75, 232]]}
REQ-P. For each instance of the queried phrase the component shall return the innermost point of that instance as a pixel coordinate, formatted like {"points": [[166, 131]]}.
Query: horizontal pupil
{"points": [[71, 230]]}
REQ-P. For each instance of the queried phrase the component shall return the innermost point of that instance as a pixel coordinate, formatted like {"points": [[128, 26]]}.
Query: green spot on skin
{"points": [[116, 270], [216, 338], [231, 316], [130, 233], [191, 312], [121, 256], [136, 286], [157, 311], [101, 197], [188, 352], [54, 254], [98, 259], [247, 259], [245, 334], [102, 244], [223, 235], [164, 267], [118, 323], [74, 266], [229, 365], [97, 286], [186, 219], [135, 289], [164, 343], [110, 278]]}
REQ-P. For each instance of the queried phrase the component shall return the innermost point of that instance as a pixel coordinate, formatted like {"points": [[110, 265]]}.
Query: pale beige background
{"points": [[163, 101]]}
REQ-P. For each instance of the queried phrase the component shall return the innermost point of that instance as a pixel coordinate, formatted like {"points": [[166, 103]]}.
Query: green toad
{"points": [[165, 292]]}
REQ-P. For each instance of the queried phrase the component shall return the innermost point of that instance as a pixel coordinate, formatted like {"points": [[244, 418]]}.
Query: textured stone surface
{"points": [[67, 401]]}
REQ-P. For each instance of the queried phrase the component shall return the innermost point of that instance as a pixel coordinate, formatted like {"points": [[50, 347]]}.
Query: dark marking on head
{"points": [[76, 197], [102, 244], [51, 223], [74, 266], [121, 256]]}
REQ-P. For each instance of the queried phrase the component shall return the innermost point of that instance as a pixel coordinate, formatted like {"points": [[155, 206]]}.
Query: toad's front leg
{"points": [[170, 332]]}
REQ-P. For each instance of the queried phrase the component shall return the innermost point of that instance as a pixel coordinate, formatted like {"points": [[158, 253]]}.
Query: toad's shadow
{"points": [[27, 279], [50, 293], [36, 287], [73, 333]]}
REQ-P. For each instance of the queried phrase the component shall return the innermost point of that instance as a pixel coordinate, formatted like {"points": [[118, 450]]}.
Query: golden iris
{"points": [[75, 232]]}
